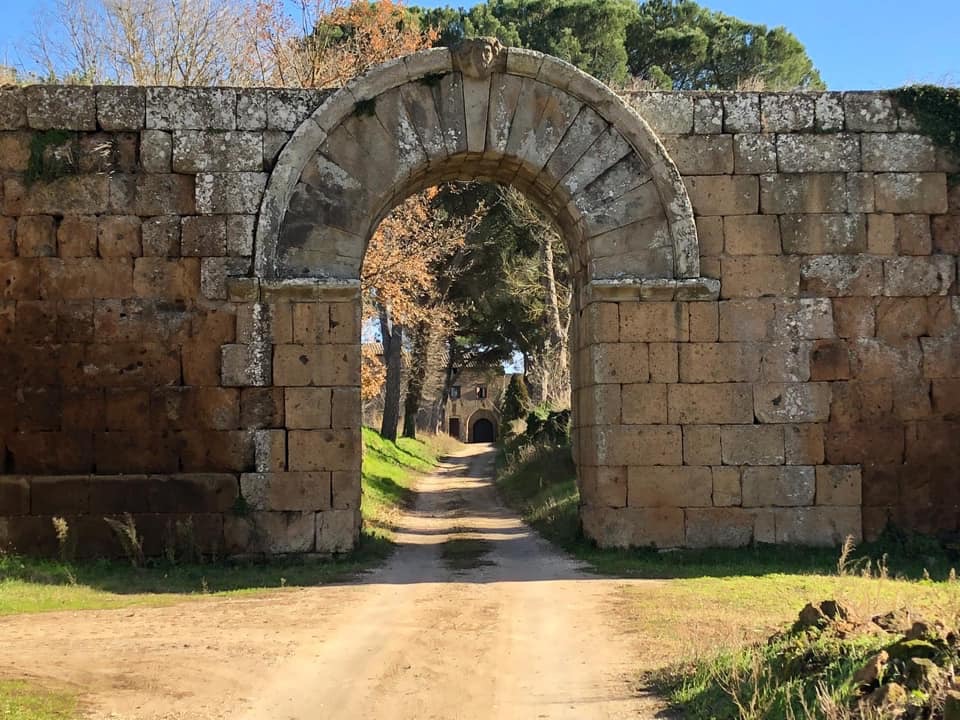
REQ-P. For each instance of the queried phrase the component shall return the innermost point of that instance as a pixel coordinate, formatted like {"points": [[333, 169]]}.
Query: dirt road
{"points": [[493, 624]]}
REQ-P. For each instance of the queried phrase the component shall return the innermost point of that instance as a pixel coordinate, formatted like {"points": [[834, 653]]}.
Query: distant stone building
{"points": [[471, 412]]}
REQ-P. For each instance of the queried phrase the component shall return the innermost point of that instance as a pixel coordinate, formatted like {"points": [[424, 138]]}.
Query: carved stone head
{"points": [[479, 57]]}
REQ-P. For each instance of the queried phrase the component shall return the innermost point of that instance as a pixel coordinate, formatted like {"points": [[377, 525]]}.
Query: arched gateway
{"points": [[478, 112]]}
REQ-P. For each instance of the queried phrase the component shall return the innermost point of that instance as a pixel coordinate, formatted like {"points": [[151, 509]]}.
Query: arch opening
{"points": [[479, 112]]}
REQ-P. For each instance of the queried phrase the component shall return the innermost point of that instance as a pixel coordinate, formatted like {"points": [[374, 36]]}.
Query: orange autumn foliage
{"points": [[333, 41]]}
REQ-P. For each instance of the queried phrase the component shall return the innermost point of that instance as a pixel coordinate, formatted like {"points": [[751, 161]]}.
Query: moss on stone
{"points": [[937, 112], [53, 154]]}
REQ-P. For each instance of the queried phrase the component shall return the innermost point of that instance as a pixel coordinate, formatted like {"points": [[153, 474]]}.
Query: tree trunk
{"points": [[554, 368], [418, 374], [393, 358]]}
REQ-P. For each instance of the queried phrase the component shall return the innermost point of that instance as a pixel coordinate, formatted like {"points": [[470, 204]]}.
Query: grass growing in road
{"points": [[24, 701], [462, 552], [706, 611], [36, 585]]}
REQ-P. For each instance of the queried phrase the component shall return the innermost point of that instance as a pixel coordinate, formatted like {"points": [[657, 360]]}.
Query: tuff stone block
{"points": [[719, 527], [664, 486], [723, 194], [291, 491], [786, 486], [314, 450], [654, 322], [911, 193], [752, 445], [710, 403], [751, 235], [635, 527]]}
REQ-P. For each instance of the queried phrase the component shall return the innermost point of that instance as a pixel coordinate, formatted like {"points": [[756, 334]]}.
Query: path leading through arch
{"points": [[496, 624]]}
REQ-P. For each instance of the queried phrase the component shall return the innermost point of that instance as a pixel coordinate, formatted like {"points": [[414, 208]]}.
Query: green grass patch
{"points": [[389, 472], [539, 483], [20, 700], [714, 610], [38, 585], [465, 553]]}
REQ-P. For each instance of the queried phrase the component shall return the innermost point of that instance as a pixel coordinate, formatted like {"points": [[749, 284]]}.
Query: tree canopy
{"points": [[669, 44]]}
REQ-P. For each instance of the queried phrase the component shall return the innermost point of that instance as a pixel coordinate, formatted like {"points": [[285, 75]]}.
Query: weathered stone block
{"points": [[830, 360], [946, 234], [311, 450], [708, 116], [14, 151], [61, 107], [196, 151], [786, 112], [741, 113], [654, 322], [898, 152], [751, 235], [701, 154], [911, 193], [621, 445], [119, 236], [121, 108], [754, 154], [642, 404], [203, 236], [710, 403], [818, 153], [308, 408], [616, 363], [752, 445], [912, 276], [338, 530], [704, 322], [77, 236], [792, 402], [226, 193], [14, 495], [719, 362], [36, 236], [664, 486], [322, 365], [823, 234], [746, 320], [803, 193], [634, 527], [719, 527], [723, 194], [829, 115], [600, 323], [701, 445], [177, 108], [13, 108], [822, 526], [245, 365], [760, 276], [854, 317], [345, 488], [726, 487], [786, 361], [667, 113], [941, 357], [842, 276], [803, 444], [786, 486], [664, 364], [303, 491], [867, 442], [869, 112]]}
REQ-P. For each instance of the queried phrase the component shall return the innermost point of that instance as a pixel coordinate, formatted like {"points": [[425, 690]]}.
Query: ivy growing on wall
{"points": [[53, 154], [937, 112]]}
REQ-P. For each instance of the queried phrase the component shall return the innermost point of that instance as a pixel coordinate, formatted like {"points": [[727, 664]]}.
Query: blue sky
{"points": [[856, 44]]}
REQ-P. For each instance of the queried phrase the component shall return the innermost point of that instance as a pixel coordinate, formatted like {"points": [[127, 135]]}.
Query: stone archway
{"points": [[483, 426], [483, 112]]}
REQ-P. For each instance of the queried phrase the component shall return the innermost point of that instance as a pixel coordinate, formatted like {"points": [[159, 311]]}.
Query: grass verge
{"points": [[38, 585], [708, 611], [24, 701]]}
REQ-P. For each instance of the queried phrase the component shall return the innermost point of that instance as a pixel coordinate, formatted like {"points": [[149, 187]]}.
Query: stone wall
{"points": [[146, 368], [822, 389]]}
